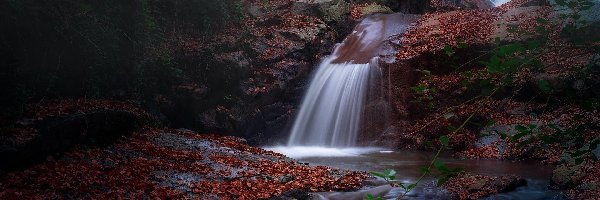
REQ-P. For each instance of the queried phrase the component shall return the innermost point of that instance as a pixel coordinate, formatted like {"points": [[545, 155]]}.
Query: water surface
{"points": [[407, 164]]}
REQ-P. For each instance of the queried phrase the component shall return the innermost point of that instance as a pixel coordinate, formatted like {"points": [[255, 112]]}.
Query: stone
{"points": [[286, 178], [335, 10], [564, 176]]}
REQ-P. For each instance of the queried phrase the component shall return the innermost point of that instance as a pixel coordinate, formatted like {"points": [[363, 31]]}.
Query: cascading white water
{"points": [[331, 110], [329, 118], [499, 2]]}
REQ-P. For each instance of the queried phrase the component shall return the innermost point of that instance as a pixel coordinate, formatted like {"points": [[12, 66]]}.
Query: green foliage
{"points": [[545, 86], [388, 175], [449, 50], [506, 59], [572, 138], [371, 197], [424, 94], [444, 172], [444, 140]]}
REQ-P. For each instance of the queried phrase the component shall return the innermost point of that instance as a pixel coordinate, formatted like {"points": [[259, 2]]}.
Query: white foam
{"points": [[297, 152], [330, 113], [499, 2]]}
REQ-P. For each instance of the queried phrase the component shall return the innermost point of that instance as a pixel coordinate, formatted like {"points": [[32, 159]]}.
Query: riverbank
{"points": [[174, 164]]}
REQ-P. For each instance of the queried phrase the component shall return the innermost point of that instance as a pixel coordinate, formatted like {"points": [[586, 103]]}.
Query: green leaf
{"points": [[490, 122], [428, 143], [402, 186], [541, 20], [540, 29], [510, 49], [449, 50], [545, 86], [520, 145], [411, 186], [444, 140], [568, 29], [377, 174], [493, 65], [486, 87], [548, 139], [578, 153], [578, 161], [531, 126], [518, 136], [440, 166], [521, 128], [458, 170], [451, 128], [370, 197], [442, 180], [425, 170], [534, 44], [554, 126], [502, 134], [389, 172]]}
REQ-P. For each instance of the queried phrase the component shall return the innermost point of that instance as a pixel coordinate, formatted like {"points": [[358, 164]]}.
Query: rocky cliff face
{"points": [[260, 68]]}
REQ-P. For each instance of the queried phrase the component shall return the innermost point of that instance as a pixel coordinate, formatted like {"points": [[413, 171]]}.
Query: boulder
{"points": [[60, 134]]}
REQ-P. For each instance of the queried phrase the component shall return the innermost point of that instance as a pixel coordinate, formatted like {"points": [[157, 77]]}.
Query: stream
{"points": [[407, 164], [326, 127]]}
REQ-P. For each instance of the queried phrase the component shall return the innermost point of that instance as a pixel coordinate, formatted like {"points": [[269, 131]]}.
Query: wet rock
{"points": [[175, 164], [369, 9], [56, 135], [286, 178], [293, 194], [337, 10], [181, 181], [408, 6], [565, 176], [260, 68], [474, 186]]}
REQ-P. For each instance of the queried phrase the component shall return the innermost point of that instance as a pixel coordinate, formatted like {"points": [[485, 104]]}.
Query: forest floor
{"points": [[167, 163], [154, 163]]}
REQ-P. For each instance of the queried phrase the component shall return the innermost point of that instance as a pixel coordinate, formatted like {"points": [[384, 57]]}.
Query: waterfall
{"points": [[332, 107], [499, 2], [330, 113]]}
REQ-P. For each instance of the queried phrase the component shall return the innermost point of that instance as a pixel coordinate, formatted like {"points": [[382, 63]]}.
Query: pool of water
{"points": [[407, 164]]}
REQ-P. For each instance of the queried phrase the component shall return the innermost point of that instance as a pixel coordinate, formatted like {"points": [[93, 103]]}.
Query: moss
{"points": [[335, 10], [375, 8]]}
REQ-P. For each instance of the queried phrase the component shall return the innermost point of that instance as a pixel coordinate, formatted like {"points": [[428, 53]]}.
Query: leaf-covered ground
{"points": [[167, 163], [473, 186]]}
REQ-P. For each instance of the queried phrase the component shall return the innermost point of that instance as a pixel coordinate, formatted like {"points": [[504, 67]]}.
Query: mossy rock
{"points": [[566, 177], [374, 8], [334, 10]]}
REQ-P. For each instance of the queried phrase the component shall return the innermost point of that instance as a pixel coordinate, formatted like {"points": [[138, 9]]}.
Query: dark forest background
{"points": [[101, 49]]}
